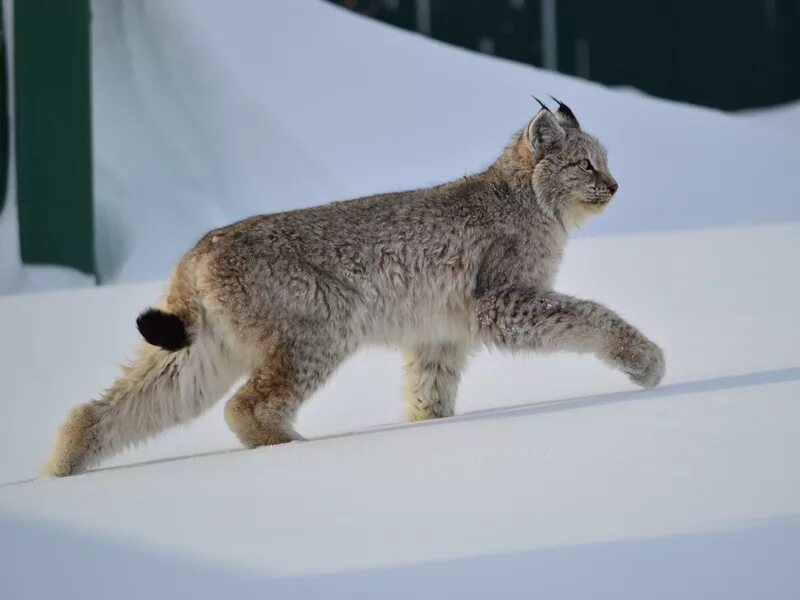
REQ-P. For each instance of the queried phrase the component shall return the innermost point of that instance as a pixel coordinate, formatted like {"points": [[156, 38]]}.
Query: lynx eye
{"points": [[586, 165]]}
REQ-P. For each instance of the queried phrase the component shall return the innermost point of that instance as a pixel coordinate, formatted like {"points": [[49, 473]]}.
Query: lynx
{"points": [[283, 299]]}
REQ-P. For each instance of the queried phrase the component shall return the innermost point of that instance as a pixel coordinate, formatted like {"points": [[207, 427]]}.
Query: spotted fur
{"points": [[283, 299]]}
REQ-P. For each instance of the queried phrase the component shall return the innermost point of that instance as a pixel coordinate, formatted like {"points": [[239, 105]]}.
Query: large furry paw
{"points": [[640, 359], [417, 409], [257, 426], [268, 437]]}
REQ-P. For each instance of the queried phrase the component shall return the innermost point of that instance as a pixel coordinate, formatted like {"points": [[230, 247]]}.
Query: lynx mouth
{"points": [[595, 207], [598, 202]]}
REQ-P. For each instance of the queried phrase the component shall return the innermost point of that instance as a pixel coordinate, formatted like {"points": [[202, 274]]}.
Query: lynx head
{"points": [[570, 171]]}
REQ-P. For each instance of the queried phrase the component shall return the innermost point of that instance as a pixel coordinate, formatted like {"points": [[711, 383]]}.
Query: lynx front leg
{"points": [[432, 375], [547, 321]]}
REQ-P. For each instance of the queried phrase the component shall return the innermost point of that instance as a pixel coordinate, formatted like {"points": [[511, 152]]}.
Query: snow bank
{"points": [[206, 112], [68, 345], [686, 493], [558, 477]]}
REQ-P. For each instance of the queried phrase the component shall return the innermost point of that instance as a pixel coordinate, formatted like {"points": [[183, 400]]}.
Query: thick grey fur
{"points": [[283, 299]]}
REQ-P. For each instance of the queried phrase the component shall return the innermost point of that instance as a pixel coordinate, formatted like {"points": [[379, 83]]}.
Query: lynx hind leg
{"points": [[74, 443], [432, 375], [262, 411], [158, 390]]}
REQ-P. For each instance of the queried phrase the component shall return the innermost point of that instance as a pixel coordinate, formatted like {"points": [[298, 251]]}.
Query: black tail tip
{"points": [[162, 329]]}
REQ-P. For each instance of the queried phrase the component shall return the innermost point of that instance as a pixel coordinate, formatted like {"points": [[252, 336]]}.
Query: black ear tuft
{"points": [[163, 329], [565, 114], [542, 104]]}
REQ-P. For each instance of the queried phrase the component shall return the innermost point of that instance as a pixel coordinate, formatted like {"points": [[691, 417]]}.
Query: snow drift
{"points": [[207, 112], [557, 476]]}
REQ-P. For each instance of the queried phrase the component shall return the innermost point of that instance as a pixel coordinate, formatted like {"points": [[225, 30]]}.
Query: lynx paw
{"points": [[641, 359]]}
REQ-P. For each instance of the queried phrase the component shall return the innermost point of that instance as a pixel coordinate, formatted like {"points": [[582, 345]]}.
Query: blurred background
{"points": [[729, 55], [129, 127]]}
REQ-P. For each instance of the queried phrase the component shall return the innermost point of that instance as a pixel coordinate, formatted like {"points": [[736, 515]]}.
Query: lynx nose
{"points": [[613, 186]]}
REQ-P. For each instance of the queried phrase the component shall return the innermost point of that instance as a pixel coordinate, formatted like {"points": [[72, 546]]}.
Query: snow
{"points": [[558, 478], [206, 112], [709, 324], [651, 480], [558, 475]]}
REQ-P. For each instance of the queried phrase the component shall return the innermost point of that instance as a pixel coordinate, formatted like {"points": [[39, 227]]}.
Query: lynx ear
{"points": [[565, 115], [545, 133]]}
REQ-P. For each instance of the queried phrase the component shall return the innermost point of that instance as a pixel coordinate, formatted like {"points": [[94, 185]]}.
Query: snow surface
{"points": [[557, 479], [206, 112]]}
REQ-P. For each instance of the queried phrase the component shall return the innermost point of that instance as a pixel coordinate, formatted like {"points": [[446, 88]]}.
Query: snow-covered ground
{"points": [[557, 479]]}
